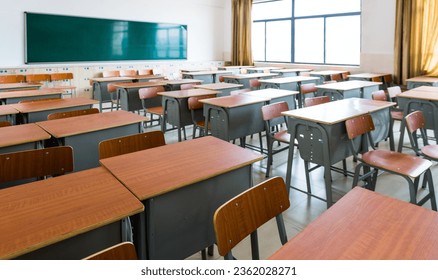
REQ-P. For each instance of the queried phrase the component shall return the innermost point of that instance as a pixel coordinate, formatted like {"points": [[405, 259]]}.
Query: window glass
{"points": [[278, 41], [324, 7], [273, 9], [309, 40], [258, 41]]}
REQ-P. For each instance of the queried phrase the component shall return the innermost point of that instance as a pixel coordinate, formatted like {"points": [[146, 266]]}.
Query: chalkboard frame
{"points": [[51, 38]]}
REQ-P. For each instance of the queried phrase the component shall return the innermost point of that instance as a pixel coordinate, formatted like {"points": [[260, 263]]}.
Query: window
{"points": [[307, 31]]}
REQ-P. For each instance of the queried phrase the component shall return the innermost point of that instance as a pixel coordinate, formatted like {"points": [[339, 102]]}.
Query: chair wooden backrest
{"points": [[379, 95], [149, 92], [111, 87], [69, 114], [37, 78], [36, 163], [146, 72], [131, 143], [39, 100], [273, 110], [308, 88], [61, 76], [254, 84], [416, 125], [12, 79], [121, 251], [239, 91], [359, 125], [243, 214], [394, 91], [188, 86], [345, 75], [376, 79], [111, 73], [128, 73], [336, 77], [194, 104], [221, 79], [5, 123], [312, 101]]}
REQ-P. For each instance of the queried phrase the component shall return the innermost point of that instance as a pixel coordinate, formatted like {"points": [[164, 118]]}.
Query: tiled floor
{"points": [[304, 209]]}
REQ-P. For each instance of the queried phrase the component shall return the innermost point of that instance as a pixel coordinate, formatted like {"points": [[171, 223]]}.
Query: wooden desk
{"points": [[84, 133], [423, 98], [325, 75], [19, 86], [127, 94], [12, 97], [6, 113], [348, 89], [206, 76], [289, 83], [235, 116], [366, 76], [422, 81], [21, 137], [176, 108], [365, 225], [175, 84], [235, 69], [276, 95], [322, 137], [224, 89], [181, 190], [38, 111], [264, 69], [100, 91], [244, 78], [290, 72], [65, 217]]}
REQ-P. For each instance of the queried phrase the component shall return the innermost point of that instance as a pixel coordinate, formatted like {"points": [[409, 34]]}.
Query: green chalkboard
{"points": [[58, 38]]}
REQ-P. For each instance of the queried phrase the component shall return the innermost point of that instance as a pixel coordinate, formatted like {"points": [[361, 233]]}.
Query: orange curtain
{"points": [[241, 50], [416, 39]]}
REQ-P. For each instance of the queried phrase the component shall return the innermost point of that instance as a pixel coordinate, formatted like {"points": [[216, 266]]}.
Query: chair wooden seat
{"points": [[430, 151], [282, 136], [156, 110], [397, 115], [405, 164], [416, 127]]}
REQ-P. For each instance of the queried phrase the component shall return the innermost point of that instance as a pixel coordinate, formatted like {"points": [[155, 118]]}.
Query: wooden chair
{"points": [[245, 213], [409, 167], [196, 111], [121, 251], [254, 84], [416, 126], [221, 79], [30, 165], [152, 104], [39, 100], [344, 75], [128, 73], [388, 81], [239, 91], [111, 73], [146, 72], [307, 90], [336, 77], [312, 101], [38, 78], [131, 143], [5, 123], [273, 118], [69, 114], [112, 90], [6, 79], [62, 81]]}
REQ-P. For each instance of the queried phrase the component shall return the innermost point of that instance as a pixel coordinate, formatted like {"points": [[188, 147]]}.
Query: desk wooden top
{"points": [[182, 81], [218, 86], [15, 86], [186, 93], [423, 93], [111, 79], [47, 105], [7, 110], [289, 70], [288, 80], [271, 93], [423, 79], [338, 111], [233, 101], [88, 123], [367, 75], [140, 84], [235, 67], [29, 93], [348, 85], [41, 213], [177, 165], [327, 72], [208, 72], [21, 134], [365, 225], [250, 76], [263, 68]]}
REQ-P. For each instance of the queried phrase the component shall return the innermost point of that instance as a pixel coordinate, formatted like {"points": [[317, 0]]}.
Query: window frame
{"points": [[292, 19]]}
